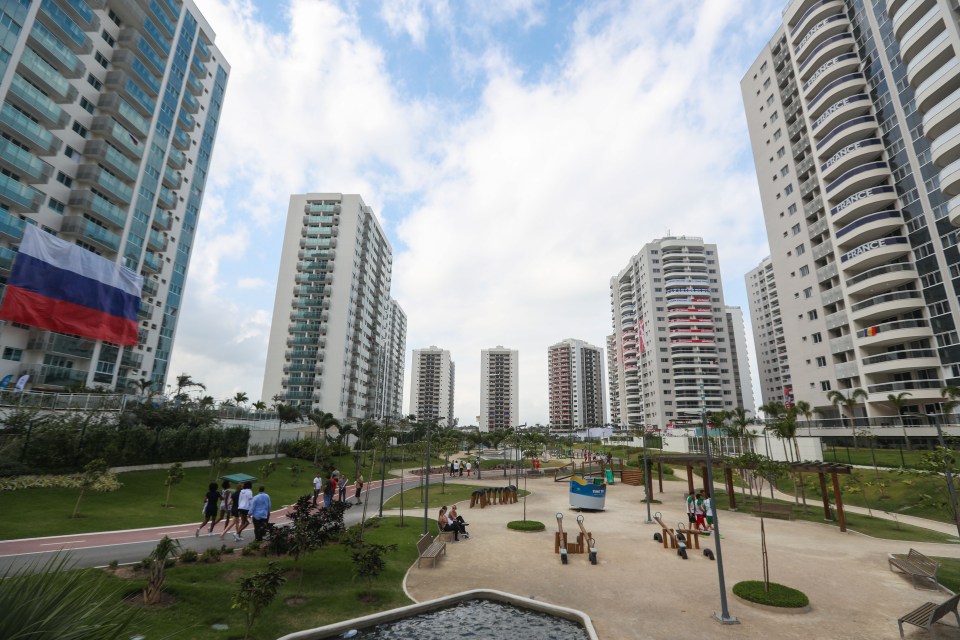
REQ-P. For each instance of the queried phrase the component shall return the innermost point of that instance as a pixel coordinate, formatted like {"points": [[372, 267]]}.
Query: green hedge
{"points": [[777, 596]]}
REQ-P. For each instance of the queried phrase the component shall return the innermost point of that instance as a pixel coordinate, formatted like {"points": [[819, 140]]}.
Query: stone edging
{"points": [[771, 609]]}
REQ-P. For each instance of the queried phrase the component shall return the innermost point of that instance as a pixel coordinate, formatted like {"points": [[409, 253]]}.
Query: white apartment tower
{"points": [[499, 388], [670, 336], [613, 382], [740, 359], [768, 338], [108, 115], [864, 255], [390, 363], [432, 385], [575, 384], [335, 330]]}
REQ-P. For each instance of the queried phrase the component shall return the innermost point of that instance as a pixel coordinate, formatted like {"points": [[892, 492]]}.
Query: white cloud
{"points": [[406, 16], [524, 208]]}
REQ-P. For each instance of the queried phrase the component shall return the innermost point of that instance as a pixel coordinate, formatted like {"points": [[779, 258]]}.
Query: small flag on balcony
{"points": [[871, 331], [58, 286]]}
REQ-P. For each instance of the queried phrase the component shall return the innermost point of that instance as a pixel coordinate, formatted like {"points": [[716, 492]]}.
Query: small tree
{"points": [[256, 593], [93, 472], [759, 470], [218, 462], [158, 567], [368, 562], [267, 469], [295, 470], [174, 476]]}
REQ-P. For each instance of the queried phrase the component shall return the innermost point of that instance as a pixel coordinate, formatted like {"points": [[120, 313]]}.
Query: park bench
{"points": [[773, 510], [427, 547], [930, 612], [916, 565]]}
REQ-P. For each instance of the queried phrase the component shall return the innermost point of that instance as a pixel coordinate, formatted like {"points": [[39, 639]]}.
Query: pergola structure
{"points": [[699, 460]]}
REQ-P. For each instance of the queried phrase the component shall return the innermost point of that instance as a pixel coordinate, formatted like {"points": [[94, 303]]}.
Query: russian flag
{"points": [[61, 287]]}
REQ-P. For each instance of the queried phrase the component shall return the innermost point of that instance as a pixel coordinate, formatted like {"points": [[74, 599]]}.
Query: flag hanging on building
{"points": [[58, 286]]}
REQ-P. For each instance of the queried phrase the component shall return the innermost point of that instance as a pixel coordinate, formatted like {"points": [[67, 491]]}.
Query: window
{"points": [[108, 38], [825, 385], [795, 229], [93, 82], [821, 361], [812, 314], [9, 353], [784, 170], [56, 205], [100, 59], [80, 129], [801, 249], [792, 209], [774, 117], [804, 270], [777, 134], [770, 100], [87, 105], [817, 337], [766, 83], [808, 292], [788, 190], [64, 179], [780, 152]]}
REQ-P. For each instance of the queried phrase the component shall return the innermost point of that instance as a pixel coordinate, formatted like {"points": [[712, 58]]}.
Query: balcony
{"points": [[156, 241], [848, 132], [103, 151], [831, 47], [106, 181], [186, 121], [929, 59], [854, 154], [203, 49], [11, 226], [48, 79], [60, 344], [903, 360], [953, 209], [152, 263], [820, 32], [131, 360], [127, 115], [18, 196], [118, 135], [862, 203], [914, 386], [945, 149], [176, 159], [60, 56], [857, 179], [171, 178], [181, 140], [881, 278], [887, 304], [29, 167], [921, 34], [194, 85], [150, 287], [870, 227], [64, 28], [908, 14], [897, 332], [31, 100], [48, 376], [91, 233], [942, 116], [98, 207], [830, 70], [166, 199], [939, 85]]}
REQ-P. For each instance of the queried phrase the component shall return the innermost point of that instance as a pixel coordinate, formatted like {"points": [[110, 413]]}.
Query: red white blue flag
{"points": [[61, 287]]}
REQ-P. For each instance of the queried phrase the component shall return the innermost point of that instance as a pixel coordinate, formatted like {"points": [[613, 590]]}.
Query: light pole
{"points": [[426, 492], [383, 463], [647, 480], [724, 616]]}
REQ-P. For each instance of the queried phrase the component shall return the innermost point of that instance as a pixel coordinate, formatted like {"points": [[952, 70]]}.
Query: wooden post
{"points": [[728, 475], [660, 474], [690, 479], [826, 499], [839, 502]]}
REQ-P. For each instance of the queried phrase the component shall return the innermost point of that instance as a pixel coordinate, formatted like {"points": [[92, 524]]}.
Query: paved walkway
{"points": [[639, 590]]}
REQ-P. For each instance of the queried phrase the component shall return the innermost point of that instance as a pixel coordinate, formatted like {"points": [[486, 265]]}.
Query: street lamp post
{"points": [[724, 616], [426, 492], [647, 480], [383, 464]]}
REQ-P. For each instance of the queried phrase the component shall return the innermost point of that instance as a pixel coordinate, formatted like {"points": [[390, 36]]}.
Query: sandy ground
{"points": [[640, 590]]}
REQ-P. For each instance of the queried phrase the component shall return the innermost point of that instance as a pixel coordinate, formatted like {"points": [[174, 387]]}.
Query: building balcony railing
{"points": [[99, 207], [32, 100], [60, 344], [29, 167], [18, 196], [64, 27], [59, 55], [40, 73], [91, 232]]}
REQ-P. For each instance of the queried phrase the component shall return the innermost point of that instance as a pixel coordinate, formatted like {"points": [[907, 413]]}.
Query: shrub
{"points": [[113, 565], [526, 525], [777, 596], [225, 550], [189, 555], [210, 555]]}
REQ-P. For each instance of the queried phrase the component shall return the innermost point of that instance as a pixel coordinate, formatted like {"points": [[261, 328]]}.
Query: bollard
{"points": [[708, 553]]}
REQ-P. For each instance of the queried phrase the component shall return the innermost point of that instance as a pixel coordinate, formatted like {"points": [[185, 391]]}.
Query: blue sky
{"points": [[518, 154]]}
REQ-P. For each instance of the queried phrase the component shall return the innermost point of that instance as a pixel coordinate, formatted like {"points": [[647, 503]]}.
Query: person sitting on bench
{"points": [[445, 524], [457, 519]]}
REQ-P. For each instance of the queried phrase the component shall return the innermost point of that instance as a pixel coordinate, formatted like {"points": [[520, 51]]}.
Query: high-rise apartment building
{"points": [[864, 255], [108, 118], [613, 382], [432, 385], [740, 359], [768, 338], [335, 329], [670, 332], [575, 384], [391, 356], [499, 388]]}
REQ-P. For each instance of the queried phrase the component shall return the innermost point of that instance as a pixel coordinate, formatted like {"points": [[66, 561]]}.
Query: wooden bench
{"points": [[427, 547], [773, 510], [916, 565], [930, 612]]}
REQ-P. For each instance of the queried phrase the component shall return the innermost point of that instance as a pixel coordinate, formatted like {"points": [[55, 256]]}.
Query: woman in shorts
{"points": [[225, 506]]}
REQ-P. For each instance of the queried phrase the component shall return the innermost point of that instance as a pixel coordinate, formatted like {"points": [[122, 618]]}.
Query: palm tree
{"points": [[323, 421], [855, 397], [804, 409], [143, 386], [240, 397], [898, 401], [184, 381], [951, 394], [259, 405]]}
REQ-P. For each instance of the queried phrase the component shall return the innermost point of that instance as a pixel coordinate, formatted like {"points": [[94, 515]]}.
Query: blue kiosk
{"points": [[588, 493]]}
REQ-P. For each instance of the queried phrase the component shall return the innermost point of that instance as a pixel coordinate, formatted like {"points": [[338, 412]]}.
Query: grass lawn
{"points": [[861, 523], [949, 574], [202, 592], [438, 496]]}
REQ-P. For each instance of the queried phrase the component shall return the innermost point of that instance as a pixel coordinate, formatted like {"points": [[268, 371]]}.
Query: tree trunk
{"points": [[76, 507], [166, 502]]}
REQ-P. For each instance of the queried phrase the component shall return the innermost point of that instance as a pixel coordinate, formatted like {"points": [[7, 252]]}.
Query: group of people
{"points": [[236, 509], [457, 468], [700, 511], [452, 521], [335, 485]]}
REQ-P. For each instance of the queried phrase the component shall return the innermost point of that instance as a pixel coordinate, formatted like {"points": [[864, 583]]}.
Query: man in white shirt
{"points": [[317, 486]]}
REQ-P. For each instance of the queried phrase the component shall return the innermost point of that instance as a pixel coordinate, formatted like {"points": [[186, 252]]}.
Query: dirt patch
{"points": [[368, 598], [295, 601]]}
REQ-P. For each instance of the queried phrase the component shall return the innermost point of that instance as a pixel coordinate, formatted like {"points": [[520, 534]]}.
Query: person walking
{"points": [[225, 494], [358, 487], [328, 489], [260, 512], [233, 522], [691, 510], [708, 511], [701, 524], [246, 496], [317, 486], [469, 467], [210, 502]]}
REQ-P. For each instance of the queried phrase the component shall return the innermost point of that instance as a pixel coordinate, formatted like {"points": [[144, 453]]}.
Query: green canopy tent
{"points": [[238, 478]]}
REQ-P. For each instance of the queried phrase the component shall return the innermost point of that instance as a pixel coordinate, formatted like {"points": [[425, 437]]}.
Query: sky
{"points": [[517, 153]]}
